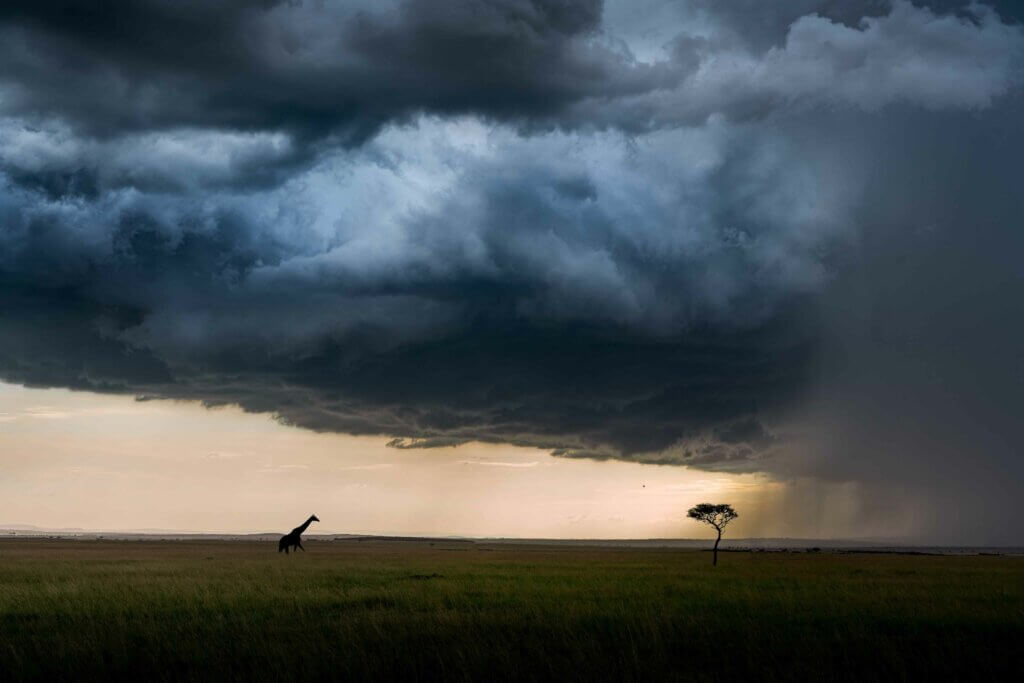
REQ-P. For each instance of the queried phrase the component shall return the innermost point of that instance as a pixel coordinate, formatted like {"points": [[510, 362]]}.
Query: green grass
{"points": [[406, 611]]}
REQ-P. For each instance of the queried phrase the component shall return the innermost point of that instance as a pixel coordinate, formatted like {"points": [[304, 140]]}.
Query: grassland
{"points": [[405, 611]]}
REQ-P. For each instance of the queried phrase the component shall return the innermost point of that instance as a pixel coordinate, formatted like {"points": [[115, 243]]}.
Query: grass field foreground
{"points": [[415, 611]]}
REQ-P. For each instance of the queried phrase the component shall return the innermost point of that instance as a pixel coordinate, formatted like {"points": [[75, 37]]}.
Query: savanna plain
{"points": [[422, 611]]}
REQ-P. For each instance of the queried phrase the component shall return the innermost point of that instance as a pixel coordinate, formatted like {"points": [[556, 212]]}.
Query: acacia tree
{"points": [[717, 516]]}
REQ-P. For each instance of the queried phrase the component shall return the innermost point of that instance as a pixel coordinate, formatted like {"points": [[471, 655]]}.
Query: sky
{"points": [[763, 251]]}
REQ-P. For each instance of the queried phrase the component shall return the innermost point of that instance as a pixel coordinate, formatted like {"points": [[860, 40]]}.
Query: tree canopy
{"points": [[717, 516]]}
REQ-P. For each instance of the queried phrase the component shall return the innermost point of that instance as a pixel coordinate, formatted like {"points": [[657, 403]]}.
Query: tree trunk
{"points": [[714, 560]]}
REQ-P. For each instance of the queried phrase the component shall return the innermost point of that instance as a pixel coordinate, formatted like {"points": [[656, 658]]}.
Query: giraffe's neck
{"points": [[301, 529]]}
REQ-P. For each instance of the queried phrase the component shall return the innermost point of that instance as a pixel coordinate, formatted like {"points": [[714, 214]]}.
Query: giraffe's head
{"points": [[314, 518]]}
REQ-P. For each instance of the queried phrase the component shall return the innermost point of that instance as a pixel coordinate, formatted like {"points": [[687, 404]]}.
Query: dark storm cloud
{"points": [[742, 236], [572, 391], [522, 309], [342, 70], [311, 69], [763, 25], [120, 80], [180, 97]]}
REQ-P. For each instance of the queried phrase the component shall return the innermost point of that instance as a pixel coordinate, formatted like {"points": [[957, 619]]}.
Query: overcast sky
{"points": [[773, 241]]}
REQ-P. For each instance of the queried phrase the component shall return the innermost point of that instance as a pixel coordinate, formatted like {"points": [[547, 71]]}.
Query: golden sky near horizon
{"points": [[105, 462]]}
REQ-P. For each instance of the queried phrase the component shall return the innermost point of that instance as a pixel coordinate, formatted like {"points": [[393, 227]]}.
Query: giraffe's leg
{"points": [[298, 544]]}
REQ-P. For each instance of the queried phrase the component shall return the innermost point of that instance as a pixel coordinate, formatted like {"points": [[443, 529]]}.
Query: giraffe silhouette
{"points": [[294, 538]]}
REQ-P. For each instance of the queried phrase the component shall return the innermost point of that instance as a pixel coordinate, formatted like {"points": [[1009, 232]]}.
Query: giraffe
{"points": [[294, 539]]}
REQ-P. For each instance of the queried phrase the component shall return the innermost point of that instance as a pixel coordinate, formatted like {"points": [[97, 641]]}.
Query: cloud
{"points": [[558, 227], [738, 236], [335, 73], [315, 69], [907, 55], [595, 296]]}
